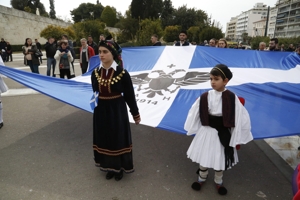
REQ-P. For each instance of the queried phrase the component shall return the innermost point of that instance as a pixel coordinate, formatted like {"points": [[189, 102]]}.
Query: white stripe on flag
{"points": [[155, 97]]}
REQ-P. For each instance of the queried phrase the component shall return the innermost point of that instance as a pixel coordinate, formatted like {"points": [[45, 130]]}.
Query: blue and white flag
{"points": [[94, 100], [167, 81]]}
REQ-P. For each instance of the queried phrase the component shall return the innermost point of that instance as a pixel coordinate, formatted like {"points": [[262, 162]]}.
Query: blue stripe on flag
{"points": [[208, 57]]}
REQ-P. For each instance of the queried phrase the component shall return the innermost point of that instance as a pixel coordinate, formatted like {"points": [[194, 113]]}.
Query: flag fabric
{"points": [[167, 80], [94, 100]]}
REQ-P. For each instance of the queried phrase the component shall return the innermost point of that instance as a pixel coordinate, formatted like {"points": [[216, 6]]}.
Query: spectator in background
{"points": [[3, 46], [291, 48], [101, 38], [154, 40], [29, 50], [262, 46], [241, 46], [222, 43], [272, 44], [50, 48], [182, 39], [63, 57], [205, 43], [282, 48], [86, 52], [298, 50], [39, 47], [70, 47], [93, 44], [212, 42], [8, 52]]}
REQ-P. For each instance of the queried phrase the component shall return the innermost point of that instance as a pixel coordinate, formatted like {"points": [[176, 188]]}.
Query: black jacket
{"points": [[50, 49], [94, 46]]}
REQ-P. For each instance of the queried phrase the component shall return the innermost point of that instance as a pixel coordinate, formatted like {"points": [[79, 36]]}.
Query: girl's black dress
{"points": [[112, 136]]}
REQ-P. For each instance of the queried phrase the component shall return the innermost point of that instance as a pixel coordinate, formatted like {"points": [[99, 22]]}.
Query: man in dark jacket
{"points": [[3, 46], [50, 48], [93, 44], [154, 40], [39, 47], [182, 39]]}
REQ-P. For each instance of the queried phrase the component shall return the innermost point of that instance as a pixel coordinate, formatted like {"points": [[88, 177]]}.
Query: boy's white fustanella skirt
{"points": [[207, 150]]}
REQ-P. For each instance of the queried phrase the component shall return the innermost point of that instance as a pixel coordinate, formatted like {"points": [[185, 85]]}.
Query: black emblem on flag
{"points": [[163, 81]]}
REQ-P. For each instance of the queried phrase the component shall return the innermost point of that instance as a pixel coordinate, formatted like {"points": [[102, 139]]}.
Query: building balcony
{"points": [[281, 31], [281, 24], [294, 22]]}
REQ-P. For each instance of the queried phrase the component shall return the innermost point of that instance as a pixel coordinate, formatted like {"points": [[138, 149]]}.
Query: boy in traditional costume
{"points": [[221, 123]]}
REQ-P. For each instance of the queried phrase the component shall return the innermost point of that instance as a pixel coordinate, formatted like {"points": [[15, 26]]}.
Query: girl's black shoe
{"points": [[1, 124], [119, 176], [110, 175]]}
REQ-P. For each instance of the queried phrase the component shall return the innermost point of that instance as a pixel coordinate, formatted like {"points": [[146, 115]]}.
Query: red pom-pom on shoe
{"points": [[221, 189]]}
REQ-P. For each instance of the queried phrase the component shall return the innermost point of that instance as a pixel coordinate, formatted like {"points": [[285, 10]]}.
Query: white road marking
{"points": [[18, 92]]}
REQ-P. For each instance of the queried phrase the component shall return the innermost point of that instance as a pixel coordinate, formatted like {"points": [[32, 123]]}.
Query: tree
{"points": [[30, 5], [89, 27], [87, 11], [147, 29], [210, 32], [52, 9], [167, 13], [171, 33], [109, 16], [56, 32], [193, 34], [187, 17], [142, 9], [129, 27]]}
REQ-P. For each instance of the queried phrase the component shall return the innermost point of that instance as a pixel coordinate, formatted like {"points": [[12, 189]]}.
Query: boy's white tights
{"points": [[203, 173]]}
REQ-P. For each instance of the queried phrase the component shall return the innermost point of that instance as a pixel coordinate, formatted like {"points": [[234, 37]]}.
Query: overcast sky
{"points": [[220, 11]]}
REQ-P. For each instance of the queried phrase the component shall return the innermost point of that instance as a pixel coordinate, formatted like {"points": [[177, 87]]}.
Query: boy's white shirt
{"points": [[240, 134]]}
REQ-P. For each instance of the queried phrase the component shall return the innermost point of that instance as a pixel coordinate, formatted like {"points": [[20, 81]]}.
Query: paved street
{"points": [[46, 153]]}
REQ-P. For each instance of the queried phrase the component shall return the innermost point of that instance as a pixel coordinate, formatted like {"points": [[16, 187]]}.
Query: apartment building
{"points": [[259, 28], [246, 19], [288, 18], [230, 28], [272, 22], [243, 23]]}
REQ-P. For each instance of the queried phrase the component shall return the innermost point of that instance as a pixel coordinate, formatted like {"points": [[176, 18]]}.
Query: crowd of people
{"points": [[56, 62], [222, 43]]}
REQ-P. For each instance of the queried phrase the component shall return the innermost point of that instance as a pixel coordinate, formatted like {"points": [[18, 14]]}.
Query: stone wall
{"points": [[16, 25]]}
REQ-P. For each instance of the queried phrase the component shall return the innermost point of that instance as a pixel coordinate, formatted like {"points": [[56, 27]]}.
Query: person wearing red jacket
{"points": [[86, 52]]}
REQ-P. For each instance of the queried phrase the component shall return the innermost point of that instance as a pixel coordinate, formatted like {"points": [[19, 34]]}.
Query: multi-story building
{"points": [[245, 20], [272, 22], [230, 29], [288, 18], [259, 28]]}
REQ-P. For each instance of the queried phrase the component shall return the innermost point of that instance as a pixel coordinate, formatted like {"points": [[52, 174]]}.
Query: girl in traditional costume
{"points": [[220, 123], [111, 129]]}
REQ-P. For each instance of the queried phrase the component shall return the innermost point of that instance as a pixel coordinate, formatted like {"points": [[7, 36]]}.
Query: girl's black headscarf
{"points": [[115, 50]]}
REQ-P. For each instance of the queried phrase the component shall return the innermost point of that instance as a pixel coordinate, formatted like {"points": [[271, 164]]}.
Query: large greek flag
{"points": [[167, 81]]}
